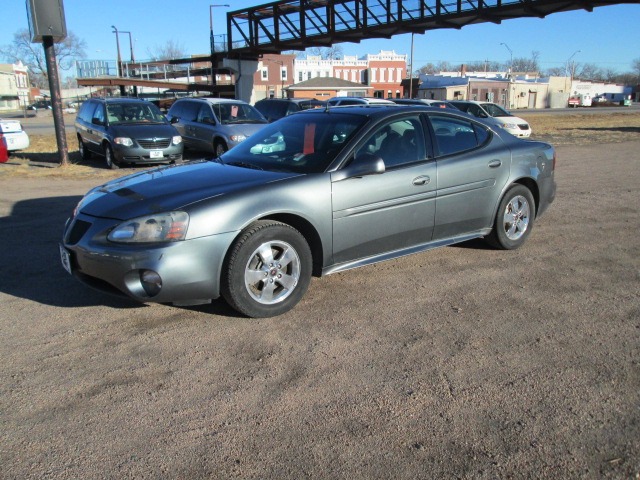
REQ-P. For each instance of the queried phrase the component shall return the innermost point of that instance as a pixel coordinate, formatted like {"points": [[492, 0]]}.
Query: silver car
{"points": [[314, 193], [214, 124]]}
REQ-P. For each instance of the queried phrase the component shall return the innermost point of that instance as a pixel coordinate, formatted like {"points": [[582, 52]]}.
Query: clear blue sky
{"points": [[608, 36]]}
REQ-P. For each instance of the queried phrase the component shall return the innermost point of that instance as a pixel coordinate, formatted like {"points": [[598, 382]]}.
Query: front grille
{"points": [[155, 143], [78, 229]]}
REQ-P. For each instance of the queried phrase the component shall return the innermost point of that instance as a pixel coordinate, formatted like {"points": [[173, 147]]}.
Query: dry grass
{"points": [[583, 127]]}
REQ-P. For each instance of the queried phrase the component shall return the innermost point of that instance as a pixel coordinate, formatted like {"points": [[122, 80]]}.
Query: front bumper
{"points": [[189, 270], [136, 154]]}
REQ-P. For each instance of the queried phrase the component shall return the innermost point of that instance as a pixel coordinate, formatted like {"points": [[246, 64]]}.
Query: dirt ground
{"points": [[462, 362]]}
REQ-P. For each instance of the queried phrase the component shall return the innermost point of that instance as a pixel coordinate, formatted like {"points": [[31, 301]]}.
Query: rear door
{"points": [[473, 166]]}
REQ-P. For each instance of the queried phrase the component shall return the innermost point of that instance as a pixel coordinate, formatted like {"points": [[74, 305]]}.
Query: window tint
{"points": [[398, 143], [455, 135]]}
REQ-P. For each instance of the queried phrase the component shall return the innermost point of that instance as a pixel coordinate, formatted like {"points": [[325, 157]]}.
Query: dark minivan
{"points": [[127, 130], [276, 108]]}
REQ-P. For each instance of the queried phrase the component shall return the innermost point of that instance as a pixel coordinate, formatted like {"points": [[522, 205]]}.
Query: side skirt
{"points": [[381, 257]]}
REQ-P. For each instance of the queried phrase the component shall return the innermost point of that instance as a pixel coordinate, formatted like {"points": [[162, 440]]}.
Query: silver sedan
{"points": [[314, 193]]}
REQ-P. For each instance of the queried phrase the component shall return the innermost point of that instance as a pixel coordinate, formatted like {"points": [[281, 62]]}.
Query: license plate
{"points": [[65, 258], [155, 154]]}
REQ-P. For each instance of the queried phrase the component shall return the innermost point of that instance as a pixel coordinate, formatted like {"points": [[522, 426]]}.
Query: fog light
{"points": [[151, 282]]}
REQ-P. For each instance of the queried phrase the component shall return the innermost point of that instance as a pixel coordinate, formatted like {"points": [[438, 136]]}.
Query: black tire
{"points": [[263, 285], [108, 157], [219, 147], [85, 154], [514, 219]]}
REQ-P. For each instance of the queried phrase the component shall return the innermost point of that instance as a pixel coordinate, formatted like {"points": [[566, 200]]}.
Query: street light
{"points": [[567, 69], [211, 7], [130, 45], [511, 53], [118, 66]]}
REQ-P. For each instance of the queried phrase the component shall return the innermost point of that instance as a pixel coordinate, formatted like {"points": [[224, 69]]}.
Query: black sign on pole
{"points": [[47, 25]]}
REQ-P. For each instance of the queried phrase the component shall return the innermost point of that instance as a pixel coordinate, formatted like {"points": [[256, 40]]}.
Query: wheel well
{"points": [[310, 234], [218, 140], [533, 188]]}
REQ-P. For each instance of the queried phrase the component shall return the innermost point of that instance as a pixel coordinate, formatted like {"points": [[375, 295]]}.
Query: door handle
{"points": [[495, 163], [421, 180]]}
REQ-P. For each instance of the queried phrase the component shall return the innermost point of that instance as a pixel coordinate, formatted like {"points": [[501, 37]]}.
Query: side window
{"points": [[86, 111], [400, 142], [205, 115], [98, 114], [189, 111], [455, 135]]}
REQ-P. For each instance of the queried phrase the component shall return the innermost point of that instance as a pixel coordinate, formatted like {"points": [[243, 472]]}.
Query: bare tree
{"points": [[484, 66], [32, 55], [326, 53], [171, 49], [523, 64], [635, 65]]}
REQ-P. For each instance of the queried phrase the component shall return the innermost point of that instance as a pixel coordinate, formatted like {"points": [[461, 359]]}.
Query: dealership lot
{"points": [[459, 362]]}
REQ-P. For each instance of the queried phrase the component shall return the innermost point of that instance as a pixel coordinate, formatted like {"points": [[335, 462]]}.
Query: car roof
{"points": [[211, 100]]}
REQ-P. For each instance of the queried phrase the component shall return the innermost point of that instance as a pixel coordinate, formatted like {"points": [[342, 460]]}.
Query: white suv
{"points": [[496, 115]]}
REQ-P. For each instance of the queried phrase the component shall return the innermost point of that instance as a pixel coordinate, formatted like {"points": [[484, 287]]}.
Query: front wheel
{"points": [[267, 270], [514, 219], [219, 147], [108, 156]]}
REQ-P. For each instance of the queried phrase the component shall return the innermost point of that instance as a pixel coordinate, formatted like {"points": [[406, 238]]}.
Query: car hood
{"points": [[510, 119], [246, 129], [143, 130], [171, 188]]}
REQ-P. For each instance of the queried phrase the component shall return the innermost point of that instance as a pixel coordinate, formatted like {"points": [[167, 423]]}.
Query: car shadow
{"points": [[30, 261]]}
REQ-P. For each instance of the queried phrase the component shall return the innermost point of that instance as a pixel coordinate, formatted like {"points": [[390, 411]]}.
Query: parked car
{"points": [[346, 101], [496, 115], [15, 137], [424, 101], [275, 108], [126, 130], [314, 193], [40, 104], [214, 124]]}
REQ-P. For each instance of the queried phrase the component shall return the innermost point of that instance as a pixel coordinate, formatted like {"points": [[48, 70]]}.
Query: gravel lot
{"points": [[462, 362]]}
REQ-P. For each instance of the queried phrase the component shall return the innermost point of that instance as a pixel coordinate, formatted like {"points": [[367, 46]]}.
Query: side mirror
{"points": [[97, 121], [209, 121], [173, 120], [364, 164]]}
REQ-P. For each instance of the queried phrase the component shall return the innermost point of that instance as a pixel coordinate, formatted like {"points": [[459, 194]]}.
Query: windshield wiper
{"points": [[253, 166]]}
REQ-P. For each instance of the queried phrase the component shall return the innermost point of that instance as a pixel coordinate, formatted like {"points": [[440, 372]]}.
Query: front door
{"points": [[392, 210]]}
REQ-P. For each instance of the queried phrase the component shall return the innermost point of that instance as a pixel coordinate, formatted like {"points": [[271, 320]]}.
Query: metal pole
{"points": [[411, 70], [56, 102]]}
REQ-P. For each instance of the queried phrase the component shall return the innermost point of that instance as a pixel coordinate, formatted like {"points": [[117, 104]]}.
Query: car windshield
{"points": [[495, 111], [128, 113], [230, 113], [298, 143]]}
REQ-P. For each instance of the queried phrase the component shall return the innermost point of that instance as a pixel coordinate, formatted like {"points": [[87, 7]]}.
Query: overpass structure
{"points": [[299, 24]]}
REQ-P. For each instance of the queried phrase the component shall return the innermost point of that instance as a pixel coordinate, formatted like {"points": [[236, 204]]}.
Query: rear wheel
{"points": [[268, 270], [82, 148], [514, 219], [108, 156]]}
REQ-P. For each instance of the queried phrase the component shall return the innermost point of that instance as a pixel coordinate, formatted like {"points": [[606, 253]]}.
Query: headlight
{"points": [[163, 227], [177, 140], [127, 142], [511, 126], [238, 138]]}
